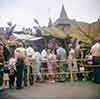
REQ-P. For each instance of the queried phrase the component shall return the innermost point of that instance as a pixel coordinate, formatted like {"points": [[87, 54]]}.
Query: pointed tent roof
{"points": [[63, 19]]}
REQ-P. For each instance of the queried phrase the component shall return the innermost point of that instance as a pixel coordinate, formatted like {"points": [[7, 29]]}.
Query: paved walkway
{"points": [[82, 90]]}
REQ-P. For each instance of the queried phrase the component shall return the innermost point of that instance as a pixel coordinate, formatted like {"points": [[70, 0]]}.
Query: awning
{"points": [[26, 37]]}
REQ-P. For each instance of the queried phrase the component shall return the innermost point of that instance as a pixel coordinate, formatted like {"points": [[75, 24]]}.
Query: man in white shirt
{"points": [[44, 54], [29, 51], [95, 50], [44, 59], [37, 65]]}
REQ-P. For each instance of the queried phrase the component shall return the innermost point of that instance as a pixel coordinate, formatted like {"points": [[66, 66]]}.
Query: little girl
{"points": [[5, 75]]}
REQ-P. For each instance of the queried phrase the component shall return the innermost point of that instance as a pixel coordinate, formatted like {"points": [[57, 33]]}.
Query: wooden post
{"points": [[65, 43], [71, 72], [45, 41], [71, 75]]}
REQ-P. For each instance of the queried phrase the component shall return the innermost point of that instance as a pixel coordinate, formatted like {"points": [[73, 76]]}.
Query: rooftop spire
{"points": [[63, 18], [63, 13], [50, 22]]}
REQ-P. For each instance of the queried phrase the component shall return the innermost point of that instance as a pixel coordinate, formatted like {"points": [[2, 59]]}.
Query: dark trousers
{"points": [[19, 74], [11, 82], [96, 61], [19, 83], [1, 80]]}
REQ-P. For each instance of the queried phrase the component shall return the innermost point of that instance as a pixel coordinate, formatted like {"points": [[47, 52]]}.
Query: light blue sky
{"points": [[22, 12]]}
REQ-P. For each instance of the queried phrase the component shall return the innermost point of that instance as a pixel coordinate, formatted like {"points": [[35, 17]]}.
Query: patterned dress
{"points": [[50, 63]]}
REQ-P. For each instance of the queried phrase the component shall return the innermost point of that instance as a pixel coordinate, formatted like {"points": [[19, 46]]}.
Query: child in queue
{"points": [[5, 75], [12, 72]]}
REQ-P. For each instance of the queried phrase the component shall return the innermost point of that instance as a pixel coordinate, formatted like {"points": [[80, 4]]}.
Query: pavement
{"points": [[66, 90], [4, 94]]}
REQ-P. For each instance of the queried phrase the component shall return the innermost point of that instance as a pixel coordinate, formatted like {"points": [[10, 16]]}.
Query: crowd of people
{"points": [[27, 64]]}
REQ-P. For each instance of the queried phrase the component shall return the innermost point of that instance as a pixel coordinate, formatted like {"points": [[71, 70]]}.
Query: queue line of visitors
{"points": [[26, 64]]}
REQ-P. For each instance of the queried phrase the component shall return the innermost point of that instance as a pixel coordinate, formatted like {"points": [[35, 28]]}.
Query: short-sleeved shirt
{"points": [[20, 52], [44, 54], [61, 53], [95, 50], [38, 57], [29, 51]]}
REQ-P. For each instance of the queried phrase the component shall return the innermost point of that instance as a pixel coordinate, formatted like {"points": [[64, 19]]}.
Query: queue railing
{"points": [[64, 75]]}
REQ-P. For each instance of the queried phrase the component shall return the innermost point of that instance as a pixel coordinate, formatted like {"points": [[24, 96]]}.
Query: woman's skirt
{"points": [[96, 61]]}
